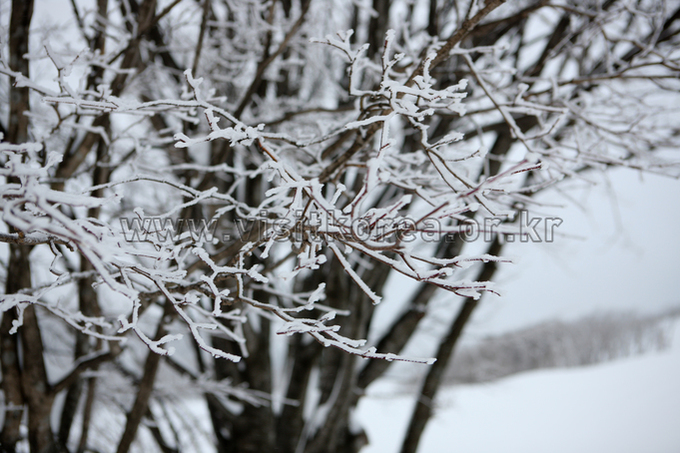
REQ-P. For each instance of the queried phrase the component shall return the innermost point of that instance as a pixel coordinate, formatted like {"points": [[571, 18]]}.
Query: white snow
{"points": [[628, 406]]}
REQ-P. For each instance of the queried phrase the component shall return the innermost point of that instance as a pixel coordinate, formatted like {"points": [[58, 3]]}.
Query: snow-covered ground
{"points": [[628, 406]]}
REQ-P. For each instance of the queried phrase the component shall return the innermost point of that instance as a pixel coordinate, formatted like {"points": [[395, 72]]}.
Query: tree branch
{"points": [[423, 411], [84, 364], [261, 68], [458, 36], [32, 239]]}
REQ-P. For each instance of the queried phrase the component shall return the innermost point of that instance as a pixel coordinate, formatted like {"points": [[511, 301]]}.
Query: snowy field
{"points": [[627, 406]]}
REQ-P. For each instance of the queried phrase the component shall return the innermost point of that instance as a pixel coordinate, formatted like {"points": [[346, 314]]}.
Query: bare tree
{"points": [[206, 199]]}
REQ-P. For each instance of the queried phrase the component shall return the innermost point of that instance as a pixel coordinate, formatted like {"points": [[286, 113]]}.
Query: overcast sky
{"points": [[619, 250]]}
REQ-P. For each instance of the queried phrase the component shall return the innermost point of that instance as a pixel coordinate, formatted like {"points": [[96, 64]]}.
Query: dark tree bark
{"points": [[426, 397], [432, 21], [9, 348], [145, 387], [37, 391], [19, 267], [20, 22], [89, 306], [378, 26]]}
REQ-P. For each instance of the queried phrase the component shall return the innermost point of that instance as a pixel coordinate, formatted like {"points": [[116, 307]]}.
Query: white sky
{"points": [[620, 251]]}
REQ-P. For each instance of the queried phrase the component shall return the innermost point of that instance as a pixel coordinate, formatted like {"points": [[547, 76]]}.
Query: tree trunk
{"points": [[145, 388], [423, 411]]}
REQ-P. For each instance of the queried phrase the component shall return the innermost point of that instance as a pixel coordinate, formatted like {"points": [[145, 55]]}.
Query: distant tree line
{"points": [[562, 344]]}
